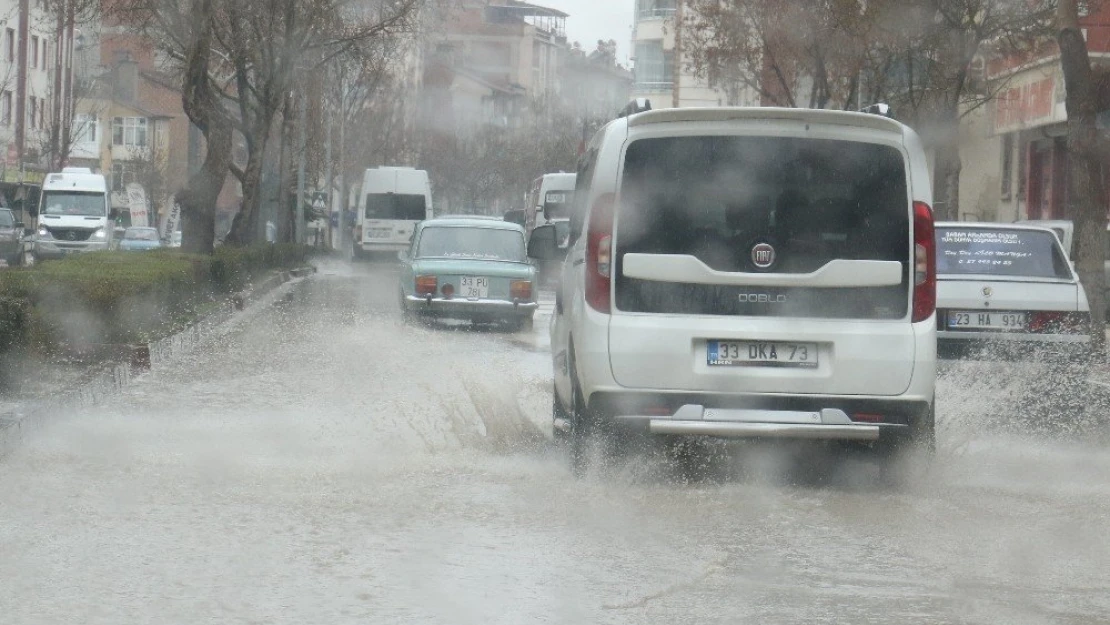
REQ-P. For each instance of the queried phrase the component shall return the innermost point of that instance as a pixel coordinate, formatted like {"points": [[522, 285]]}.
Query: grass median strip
{"points": [[64, 307]]}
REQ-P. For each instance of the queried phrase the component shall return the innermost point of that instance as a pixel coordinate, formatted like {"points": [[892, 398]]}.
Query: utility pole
{"points": [[56, 112], [676, 69], [343, 199], [327, 168], [299, 228], [21, 80]]}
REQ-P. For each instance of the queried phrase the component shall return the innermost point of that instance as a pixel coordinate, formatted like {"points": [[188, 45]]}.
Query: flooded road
{"points": [[317, 461]]}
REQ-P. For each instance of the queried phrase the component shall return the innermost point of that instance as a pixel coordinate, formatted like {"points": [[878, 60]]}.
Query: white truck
{"points": [[74, 214], [393, 200]]}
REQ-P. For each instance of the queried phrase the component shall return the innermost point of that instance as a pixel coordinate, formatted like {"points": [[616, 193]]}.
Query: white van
{"points": [[74, 214], [748, 273], [392, 202], [549, 199]]}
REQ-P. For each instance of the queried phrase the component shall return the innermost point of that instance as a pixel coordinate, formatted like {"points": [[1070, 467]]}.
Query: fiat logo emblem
{"points": [[987, 291], [763, 255]]}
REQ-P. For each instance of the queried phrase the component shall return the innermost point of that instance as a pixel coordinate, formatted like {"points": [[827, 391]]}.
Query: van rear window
{"points": [[737, 203], [395, 206]]}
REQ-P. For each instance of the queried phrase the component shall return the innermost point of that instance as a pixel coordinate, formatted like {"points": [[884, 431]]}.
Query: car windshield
{"points": [[6, 220], [468, 242], [395, 206], [73, 203], [141, 234], [1000, 252]]}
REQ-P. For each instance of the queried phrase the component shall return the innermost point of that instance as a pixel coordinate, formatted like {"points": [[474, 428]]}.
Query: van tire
{"points": [[911, 454]]}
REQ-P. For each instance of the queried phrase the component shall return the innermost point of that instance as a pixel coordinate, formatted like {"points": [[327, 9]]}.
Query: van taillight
{"points": [[599, 253], [1052, 322], [925, 263]]}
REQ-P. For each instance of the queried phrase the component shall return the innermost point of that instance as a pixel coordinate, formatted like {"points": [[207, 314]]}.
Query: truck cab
{"points": [[74, 214]]}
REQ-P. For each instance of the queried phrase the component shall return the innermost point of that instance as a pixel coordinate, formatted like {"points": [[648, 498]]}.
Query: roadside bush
{"points": [[13, 322], [124, 297]]}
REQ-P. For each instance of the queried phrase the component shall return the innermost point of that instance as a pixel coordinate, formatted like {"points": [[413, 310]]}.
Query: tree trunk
{"points": [[947, 167], [1087, 194], [198, 198]]}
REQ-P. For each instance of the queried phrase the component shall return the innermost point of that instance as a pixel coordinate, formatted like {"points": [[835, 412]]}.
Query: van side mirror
{"points": [[542, 245], [403, 256]]}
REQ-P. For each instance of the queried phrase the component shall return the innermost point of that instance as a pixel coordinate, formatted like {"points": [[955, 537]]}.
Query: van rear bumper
{"points": [[384, 246], [753, 416]]}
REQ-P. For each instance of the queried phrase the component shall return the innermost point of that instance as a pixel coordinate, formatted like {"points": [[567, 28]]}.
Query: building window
{"points": [[9, 44], [45, 56], [121, 176], [129, 131], [6, 108], [654, 66], [86, 130], [43, 106], [34, 51], [32, 111], [1007, 165]]}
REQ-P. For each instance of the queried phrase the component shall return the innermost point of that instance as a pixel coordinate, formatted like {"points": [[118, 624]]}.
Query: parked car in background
{"points": [[11, 238], [749, 273], [1007, 286], [140, 239], [467, 268]]}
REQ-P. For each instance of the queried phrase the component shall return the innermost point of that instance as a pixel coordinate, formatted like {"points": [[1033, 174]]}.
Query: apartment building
{"points": [[1014, 150], [661, 68], [34, 77]]}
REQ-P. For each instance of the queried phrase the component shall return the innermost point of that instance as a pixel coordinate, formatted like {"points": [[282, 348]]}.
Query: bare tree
{"points": [[269, 45]]}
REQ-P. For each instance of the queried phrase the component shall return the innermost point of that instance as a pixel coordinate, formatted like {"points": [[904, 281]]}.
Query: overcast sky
{"points": [[591, 20]]}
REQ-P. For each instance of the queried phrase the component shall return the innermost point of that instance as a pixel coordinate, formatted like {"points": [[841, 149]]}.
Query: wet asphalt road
{"points": [[319, 462]]}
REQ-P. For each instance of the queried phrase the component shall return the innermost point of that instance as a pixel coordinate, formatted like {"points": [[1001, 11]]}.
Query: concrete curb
{"points": [[17, 419]]}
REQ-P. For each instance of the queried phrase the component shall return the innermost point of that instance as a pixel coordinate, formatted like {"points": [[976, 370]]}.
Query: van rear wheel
{"points": [[910, 454]]}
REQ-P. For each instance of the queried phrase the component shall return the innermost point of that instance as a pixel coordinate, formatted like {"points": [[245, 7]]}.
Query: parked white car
{"points": [[748, 273], [1007, 284]]}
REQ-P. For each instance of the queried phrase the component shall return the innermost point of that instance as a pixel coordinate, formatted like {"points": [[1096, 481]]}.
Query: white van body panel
{"points": [[548, 183], [388, 235], [61, 234]]}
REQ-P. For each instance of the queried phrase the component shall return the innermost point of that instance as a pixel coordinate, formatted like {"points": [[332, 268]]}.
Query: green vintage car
{"points": [[471, 269]]}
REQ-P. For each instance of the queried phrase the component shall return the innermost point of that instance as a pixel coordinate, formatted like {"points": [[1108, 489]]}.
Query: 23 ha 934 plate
{"points": [[762, 354], [993, 320]]}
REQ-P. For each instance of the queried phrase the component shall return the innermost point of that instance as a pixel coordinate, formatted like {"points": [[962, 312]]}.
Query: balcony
{"points": [[655, 14], [647, 88]]}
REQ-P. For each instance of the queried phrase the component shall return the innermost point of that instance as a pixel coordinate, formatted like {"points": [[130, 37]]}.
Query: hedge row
{"points": [[121, 297]]}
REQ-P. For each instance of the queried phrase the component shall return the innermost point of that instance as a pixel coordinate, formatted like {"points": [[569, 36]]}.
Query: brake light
{"points": [[520, 290], [426, 285], [867, 417], [925, 263], [599, 253], [1053, 322]]}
